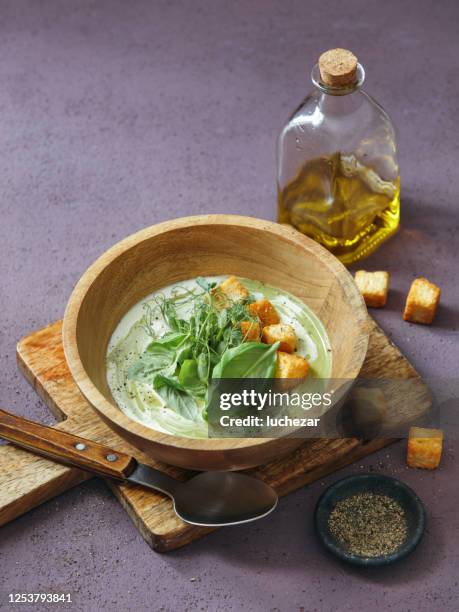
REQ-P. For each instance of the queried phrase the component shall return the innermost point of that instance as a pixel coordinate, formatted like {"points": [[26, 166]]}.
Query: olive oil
{"points": [[338, 178], [342, 204]]}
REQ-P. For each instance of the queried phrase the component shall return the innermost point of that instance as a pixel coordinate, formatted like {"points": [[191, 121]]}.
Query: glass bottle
{"points": [[338, 175]]}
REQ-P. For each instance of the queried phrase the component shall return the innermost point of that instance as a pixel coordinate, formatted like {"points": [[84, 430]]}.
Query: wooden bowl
{"points": [[204, 246]]}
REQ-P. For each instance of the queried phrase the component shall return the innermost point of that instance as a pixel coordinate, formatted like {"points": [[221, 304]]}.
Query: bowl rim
{"points": [[113, 413]]}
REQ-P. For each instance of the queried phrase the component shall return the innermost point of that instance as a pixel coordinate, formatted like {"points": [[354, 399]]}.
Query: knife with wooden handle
{"points": [[210, 499], [79, 452], [66, 448]]}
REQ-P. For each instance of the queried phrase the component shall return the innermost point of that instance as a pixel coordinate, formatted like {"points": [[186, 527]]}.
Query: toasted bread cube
{"points": [[233, 289], [228, 292], [251, 331], [373, 286], [265, 311], [368, 409], [424, 448], [291, 366], [422, 301], [281, 332]]}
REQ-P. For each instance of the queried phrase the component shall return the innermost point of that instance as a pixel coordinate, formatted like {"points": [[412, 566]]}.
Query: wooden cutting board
{"points": [[27, 480]]}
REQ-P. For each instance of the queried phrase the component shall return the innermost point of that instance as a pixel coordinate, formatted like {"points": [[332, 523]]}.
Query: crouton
{"points": [[424, 448], [281, 332], [251, 331], [233, 289], [373, 286], [422, 302], [291, 366], [265, 311], [368, 410]]}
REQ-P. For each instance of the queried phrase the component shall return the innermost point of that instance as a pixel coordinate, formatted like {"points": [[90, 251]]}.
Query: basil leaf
{"points": [[188, 376], [176, 397], [149, 364], [170, 341], [184, 352], [248, 360], [160, 356]]}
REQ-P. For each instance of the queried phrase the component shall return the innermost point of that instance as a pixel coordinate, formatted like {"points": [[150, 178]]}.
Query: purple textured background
{"points": [[117, 115]]}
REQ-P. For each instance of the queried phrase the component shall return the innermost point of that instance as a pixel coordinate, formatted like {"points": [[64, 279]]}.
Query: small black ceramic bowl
{"points": [[371, 483]]}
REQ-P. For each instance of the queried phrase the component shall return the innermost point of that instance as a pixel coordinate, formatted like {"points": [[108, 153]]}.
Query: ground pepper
{"points": [[368, 524]]}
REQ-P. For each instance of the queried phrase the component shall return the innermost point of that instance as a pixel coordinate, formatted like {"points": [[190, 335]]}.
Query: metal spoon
{"points": [[210, 499]]}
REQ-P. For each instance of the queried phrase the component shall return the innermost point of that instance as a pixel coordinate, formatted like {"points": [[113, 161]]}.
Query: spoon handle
{"points": [[66, 448]]}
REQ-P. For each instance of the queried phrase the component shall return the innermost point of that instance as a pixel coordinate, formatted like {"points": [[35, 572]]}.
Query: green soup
{"points": [[154, 371]]}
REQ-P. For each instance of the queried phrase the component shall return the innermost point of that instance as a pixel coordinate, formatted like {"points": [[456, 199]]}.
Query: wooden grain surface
{"points": [[27, 480]]}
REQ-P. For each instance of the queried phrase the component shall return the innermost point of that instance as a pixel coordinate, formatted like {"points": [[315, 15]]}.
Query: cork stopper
{"points": [[338, 68]]}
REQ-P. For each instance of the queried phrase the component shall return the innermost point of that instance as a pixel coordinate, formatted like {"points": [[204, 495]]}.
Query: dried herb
{"points": [[368, 524]]}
